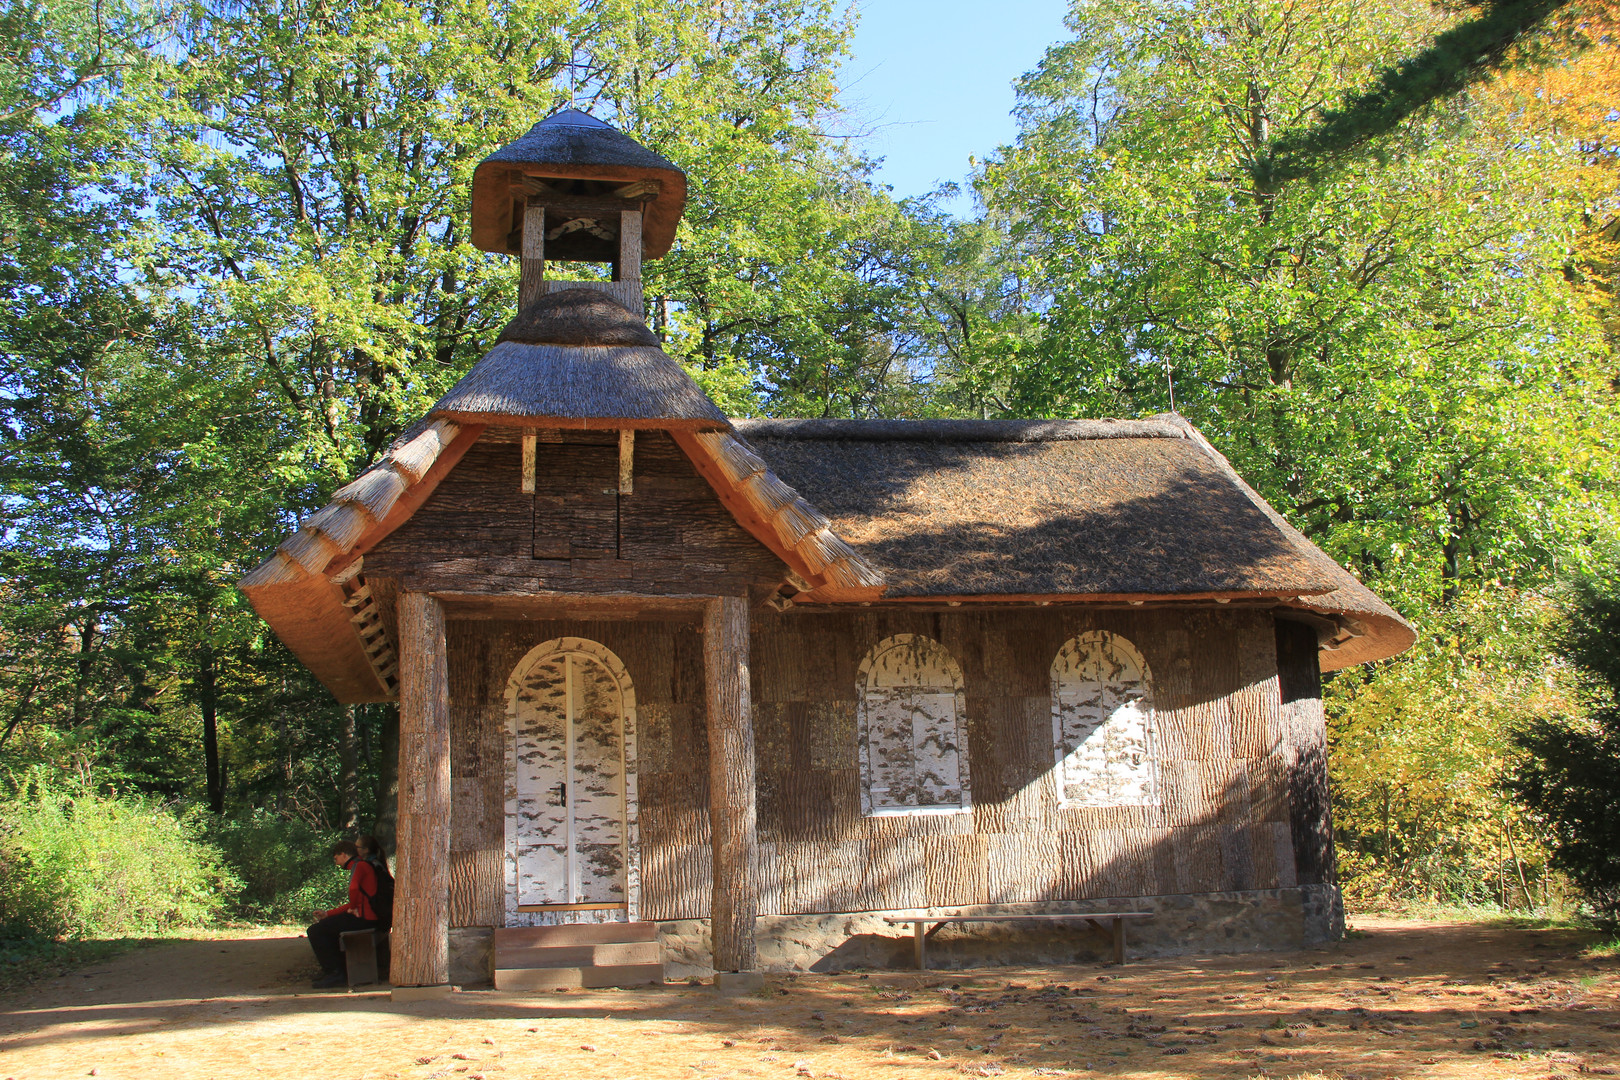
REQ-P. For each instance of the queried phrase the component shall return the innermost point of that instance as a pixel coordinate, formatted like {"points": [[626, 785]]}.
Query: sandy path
{"points": [[1406, 1000]]}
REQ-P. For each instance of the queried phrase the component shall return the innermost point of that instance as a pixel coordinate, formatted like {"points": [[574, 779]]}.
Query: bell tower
{"points": [[575, 189]]}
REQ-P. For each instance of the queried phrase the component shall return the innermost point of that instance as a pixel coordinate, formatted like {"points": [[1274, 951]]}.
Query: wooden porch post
{"points": [[421, 937], [731, 784]]}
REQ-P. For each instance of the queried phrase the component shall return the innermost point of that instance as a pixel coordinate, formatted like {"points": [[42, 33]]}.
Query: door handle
{"points": [[559, 794]]}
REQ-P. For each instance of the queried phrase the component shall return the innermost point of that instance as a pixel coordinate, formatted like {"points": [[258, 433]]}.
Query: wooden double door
{"points": [[573, 787]]}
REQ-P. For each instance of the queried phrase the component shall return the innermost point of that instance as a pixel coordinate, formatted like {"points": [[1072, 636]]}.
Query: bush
{"points": [[82, 864], [1570, 772], [283, 866]]}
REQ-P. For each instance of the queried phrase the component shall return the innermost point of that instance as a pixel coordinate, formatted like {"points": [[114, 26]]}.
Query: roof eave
{"points": [[1268, 597], [293, 590]]}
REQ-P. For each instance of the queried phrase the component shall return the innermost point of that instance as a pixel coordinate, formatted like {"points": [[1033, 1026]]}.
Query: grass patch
{"points": [[1605, 950], [1556, 916]]}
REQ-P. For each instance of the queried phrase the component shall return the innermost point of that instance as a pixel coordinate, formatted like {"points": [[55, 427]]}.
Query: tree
{"points": [[1391, 355], [1567, 101], [1421, 748], [1458, 57]]}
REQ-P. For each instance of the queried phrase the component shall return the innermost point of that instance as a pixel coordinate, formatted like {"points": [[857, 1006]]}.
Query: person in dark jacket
{"points": [[357, 914], [371, 850]]}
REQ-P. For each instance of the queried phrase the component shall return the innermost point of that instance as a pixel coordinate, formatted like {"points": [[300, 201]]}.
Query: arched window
{"points": [[913, 729], [1102, 723]]}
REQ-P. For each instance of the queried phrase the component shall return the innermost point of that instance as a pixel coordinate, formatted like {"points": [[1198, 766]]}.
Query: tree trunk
{"points": [[207, 700], [387, 819], [732, 816], [422, 899], [1310, 814], [348, 774]]}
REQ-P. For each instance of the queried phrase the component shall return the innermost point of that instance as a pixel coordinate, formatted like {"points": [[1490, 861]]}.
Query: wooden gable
{"points": [[577, 531]]}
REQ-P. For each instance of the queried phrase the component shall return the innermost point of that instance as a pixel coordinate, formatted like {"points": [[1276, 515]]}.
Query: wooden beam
{"points": [[531, 283], [529, 442], [732, 820], [629, 265], [627, 457], [421, 937]]}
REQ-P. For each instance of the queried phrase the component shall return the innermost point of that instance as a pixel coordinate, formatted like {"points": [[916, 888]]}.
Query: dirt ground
{"points": [[1400, 999]]}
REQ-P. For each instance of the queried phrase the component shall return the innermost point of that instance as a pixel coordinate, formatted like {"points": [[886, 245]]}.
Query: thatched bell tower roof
{"points": [[572, 156]]}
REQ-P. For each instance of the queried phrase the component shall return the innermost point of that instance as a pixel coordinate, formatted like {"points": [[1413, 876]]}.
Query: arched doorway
{"points": [[571, 847]]}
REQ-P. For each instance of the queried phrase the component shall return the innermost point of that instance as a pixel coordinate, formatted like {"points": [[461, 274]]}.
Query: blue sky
{"points": [[933, 81]]}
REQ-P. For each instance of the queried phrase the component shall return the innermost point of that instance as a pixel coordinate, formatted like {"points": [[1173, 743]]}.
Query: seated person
{"points": [[357, 914], [382, 903]]}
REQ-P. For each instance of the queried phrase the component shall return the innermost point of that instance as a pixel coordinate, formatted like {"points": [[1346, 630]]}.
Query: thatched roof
{"points": [[1104, 509], [990, 511], [577, 358], [572, 144]]}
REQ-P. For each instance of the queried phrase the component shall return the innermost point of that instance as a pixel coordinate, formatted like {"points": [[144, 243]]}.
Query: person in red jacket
{"points": [[357, 914]]}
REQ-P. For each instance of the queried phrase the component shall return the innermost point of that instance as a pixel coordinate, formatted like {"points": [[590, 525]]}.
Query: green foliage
{"points": [[1391, 355], [1570, 775], [80, 864], [1459, 57], [238, 264], [1420, 746], [283, 865]]}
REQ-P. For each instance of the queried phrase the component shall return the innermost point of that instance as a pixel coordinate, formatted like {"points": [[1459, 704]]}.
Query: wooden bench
{"points": [[362, 950], [1097, 919]]}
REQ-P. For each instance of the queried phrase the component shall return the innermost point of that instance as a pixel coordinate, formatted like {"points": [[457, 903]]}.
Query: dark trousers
{"points": [[323, 937]]}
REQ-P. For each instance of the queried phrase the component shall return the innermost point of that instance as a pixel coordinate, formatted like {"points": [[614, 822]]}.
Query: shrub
{"points": [[81, 864], [1570, 774], [283, 865]]}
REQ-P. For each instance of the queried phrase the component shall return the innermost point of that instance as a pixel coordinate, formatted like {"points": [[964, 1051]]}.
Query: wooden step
{"points": [[608, 954], [558, 978], [520, 937]]}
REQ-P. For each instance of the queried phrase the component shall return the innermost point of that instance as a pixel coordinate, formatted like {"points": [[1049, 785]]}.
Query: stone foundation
{"points": [[472, 955], [1324, 913], [1225, 922]]}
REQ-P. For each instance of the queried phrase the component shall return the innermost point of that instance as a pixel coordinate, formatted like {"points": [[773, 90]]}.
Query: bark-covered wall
{"points": [[1222, 820]]}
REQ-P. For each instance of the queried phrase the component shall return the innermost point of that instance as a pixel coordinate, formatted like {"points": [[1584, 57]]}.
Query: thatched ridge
{"points": [[1119, 510], [578, 317], [572, 144]]}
